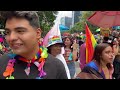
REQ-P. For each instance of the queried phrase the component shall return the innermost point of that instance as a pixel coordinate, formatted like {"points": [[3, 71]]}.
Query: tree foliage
{"points": [[80, 26], [46, 20]]}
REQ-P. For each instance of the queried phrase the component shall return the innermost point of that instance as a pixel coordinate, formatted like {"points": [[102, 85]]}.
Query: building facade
{"points": [[66, 21], [76, 17]]}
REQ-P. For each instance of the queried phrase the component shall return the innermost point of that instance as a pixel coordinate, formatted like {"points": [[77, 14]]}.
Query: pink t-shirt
{"points": [[82, 55]]}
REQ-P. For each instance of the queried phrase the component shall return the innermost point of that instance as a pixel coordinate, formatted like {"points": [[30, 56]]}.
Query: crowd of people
{"points": [[25, 56], [4, 47]]}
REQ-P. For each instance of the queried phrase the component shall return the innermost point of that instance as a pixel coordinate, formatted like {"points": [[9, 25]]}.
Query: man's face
{"points": [[21, 36], [56, 49]]}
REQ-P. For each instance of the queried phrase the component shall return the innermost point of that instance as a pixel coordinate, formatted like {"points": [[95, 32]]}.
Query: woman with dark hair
{"points": [[113, 40], [70, 54], [101, 66]]}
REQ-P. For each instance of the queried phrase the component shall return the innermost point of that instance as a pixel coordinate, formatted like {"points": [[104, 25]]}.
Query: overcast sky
{"points": [[62, 14], [65, 13]]}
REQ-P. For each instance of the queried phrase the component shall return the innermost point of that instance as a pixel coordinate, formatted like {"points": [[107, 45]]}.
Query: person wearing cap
{"points": [[28, 59], [54, 43]]}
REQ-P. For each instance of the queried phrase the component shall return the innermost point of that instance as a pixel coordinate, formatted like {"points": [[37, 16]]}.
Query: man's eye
{"points": [[6, 32], [20, 31]]}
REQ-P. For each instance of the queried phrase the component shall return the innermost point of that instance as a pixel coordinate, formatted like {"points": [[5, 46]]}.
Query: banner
{"points": [[105, 32]]}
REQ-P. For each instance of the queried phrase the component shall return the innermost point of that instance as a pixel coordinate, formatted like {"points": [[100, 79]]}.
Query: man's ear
{"points": [[39, 33]]}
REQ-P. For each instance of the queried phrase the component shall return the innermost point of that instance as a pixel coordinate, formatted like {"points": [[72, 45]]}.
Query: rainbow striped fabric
{"points": [[90, 44]]}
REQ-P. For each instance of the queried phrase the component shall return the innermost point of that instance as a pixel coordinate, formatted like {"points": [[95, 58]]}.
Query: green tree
{"points": [[80, 26], [46, 20]]}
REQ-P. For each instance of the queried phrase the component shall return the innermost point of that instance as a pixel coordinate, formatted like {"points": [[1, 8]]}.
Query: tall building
{"points": [[67, 21], [76, 17]]}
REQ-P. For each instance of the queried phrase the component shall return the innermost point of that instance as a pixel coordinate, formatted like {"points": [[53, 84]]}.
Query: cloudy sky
{"points": [[62, 14], [65, 13]]}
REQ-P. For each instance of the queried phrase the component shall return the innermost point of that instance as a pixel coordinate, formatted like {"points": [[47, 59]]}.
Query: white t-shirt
{"points": [[61, 58]]}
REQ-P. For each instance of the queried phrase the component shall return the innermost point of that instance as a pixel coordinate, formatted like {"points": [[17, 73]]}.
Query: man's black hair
{"points": [[31, 16]]}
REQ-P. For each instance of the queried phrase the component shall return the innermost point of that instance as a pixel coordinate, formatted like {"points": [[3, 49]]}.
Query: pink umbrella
{"points": [[105, 19]]}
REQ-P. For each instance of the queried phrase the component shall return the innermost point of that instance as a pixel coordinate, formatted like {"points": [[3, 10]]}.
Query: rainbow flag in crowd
{"points": [[90, 44]]}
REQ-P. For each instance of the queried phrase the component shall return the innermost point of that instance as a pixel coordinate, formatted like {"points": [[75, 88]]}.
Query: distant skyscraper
{"points": [[75, 17], [67, 21]]}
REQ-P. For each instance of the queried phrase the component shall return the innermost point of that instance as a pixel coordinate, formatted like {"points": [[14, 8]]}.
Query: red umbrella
{"points": [[105, 19]]}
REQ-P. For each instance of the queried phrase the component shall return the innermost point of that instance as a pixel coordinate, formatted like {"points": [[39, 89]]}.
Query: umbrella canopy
{"points": [[63, 27], [105, 19]]}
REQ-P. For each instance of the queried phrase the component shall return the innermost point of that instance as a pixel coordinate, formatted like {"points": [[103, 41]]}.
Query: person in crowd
{"points": [[56, 51], [101, 67], [70, 54], [82, 55], [80, 41], [116, 63], [28, 59], [53, 42]]}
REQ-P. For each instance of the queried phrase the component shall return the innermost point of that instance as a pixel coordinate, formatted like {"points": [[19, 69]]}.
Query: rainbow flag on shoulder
{"points": [[90, 44]]}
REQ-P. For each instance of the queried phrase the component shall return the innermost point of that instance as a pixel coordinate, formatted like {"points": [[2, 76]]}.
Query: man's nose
{"points": [[13, 36]]}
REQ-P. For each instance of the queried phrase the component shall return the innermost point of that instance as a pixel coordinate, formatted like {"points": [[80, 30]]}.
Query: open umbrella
{"points": [[105, 19], [63, 27]]}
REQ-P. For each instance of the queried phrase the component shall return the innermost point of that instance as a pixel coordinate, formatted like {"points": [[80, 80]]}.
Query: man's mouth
{"points": [[16, 46]]}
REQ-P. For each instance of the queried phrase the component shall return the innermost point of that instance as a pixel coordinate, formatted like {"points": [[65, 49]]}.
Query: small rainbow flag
{"points": [[90, 44]]}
